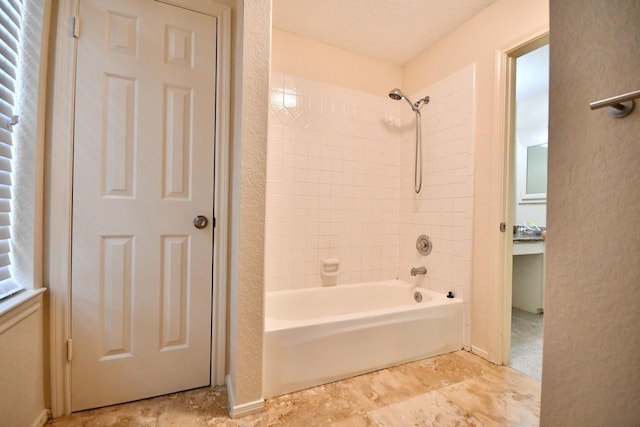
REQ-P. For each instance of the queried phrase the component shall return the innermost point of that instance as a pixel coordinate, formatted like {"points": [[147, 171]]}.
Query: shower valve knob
{"points": [[424, 245]]}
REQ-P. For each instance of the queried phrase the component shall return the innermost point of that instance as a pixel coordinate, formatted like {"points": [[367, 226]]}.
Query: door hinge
{"points": [[76, 27], [69, 349], [503, 227]]}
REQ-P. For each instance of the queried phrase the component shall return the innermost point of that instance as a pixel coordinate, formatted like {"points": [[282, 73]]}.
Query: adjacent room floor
{"points": [[526, 343], [450, 390]]}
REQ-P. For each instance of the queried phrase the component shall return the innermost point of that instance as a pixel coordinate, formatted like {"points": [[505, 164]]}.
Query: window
{"points": [[10, 20]]}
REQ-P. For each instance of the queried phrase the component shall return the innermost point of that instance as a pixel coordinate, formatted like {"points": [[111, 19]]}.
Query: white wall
{"points": [[591, 370], [340, 178], [332, 166], [477, 42], [532, 128], [332, 183], [21, 358], [315, 61], [443, 209]]}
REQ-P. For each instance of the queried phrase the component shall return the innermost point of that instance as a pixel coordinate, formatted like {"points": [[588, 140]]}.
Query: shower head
{"points": [[396, 94]]}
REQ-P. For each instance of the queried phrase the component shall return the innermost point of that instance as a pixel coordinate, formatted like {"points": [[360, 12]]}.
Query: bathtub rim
{"points": [[436, 299]]}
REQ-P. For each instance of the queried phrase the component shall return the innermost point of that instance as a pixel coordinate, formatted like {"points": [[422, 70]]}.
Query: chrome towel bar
{"points": [[619, 106]]}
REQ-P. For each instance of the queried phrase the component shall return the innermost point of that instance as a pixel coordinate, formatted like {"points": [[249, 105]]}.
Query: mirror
{"points": [[536, 184]]}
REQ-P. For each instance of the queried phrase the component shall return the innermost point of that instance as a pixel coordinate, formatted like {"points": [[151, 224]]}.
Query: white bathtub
{"points": [[317, 335]]}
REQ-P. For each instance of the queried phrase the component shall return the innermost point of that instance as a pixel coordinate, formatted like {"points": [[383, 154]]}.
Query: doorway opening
{"points": [[527, 100]]}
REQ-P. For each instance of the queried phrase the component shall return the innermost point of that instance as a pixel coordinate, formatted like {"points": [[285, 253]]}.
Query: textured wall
{"points": [[249, 152], [475, 42], [591, 371]]}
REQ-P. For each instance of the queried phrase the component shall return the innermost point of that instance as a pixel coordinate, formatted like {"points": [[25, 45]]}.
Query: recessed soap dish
{"points": [[424, 245]]}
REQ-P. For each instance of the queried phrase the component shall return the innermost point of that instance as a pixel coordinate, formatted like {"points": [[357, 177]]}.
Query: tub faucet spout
{"points": [[418, 270]]}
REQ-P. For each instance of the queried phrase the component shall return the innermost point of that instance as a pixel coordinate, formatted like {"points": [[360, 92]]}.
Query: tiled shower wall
{"points": [[332, 184], [444, 208], [340, 185]]}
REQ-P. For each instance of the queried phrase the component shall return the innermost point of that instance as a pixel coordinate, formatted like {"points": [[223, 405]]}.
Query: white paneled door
{"points": [[143, 171]]}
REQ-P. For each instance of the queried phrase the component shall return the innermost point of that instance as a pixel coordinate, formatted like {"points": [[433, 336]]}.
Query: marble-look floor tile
{"points": [[322, 405], [429, 409], [457, 389], [193, 407], [349, 399], [196, 407], [499, 397], [382, 388], [444, 370], [526, 343], [357, 421], [129, 414]]}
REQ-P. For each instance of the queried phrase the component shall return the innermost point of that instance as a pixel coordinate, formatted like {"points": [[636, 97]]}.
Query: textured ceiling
{"points": [[394, 31]]}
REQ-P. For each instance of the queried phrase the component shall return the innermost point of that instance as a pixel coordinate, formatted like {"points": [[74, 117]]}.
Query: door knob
{"points": [[200, 221]]}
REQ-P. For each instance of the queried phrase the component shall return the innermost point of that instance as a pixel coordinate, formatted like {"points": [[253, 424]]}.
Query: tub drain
{"points": [[417, 296]]}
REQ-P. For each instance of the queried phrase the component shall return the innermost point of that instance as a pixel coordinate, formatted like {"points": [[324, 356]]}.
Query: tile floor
{"points": [[456, 389], [526, 343]]}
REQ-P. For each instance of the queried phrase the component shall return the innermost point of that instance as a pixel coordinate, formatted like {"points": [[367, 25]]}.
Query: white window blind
{"points": [[10, 18]]}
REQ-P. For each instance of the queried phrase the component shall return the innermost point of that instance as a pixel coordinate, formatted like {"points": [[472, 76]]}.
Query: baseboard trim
{"points": [[244, 409], [42, 419], [480, 352]]}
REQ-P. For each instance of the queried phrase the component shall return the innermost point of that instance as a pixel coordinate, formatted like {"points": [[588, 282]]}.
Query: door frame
{"points": [[59, 187], [505, 124]]}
